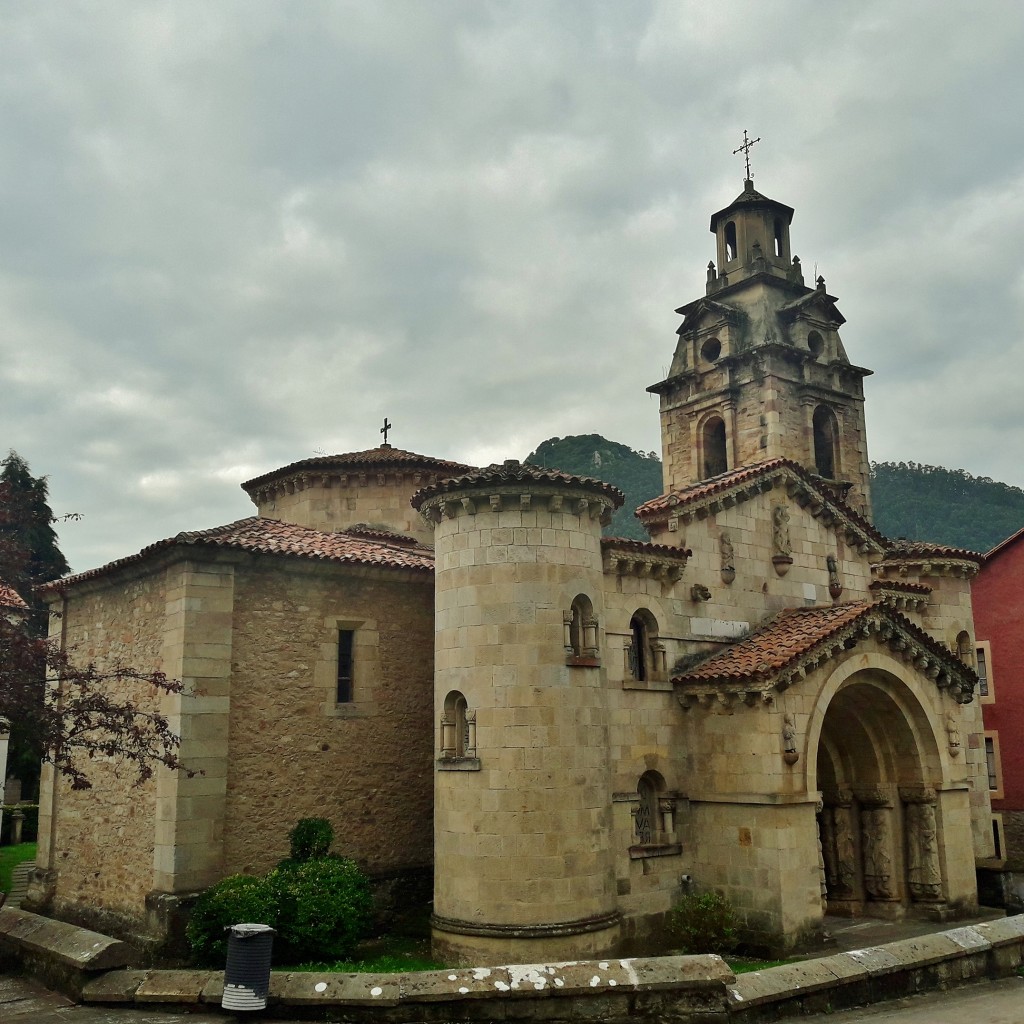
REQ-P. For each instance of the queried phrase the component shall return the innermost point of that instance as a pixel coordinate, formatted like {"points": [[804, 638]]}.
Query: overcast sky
{"points": [[234, 235]]}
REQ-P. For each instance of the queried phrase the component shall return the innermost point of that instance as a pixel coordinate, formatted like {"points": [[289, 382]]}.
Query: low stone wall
{"points": [[684, 989]]}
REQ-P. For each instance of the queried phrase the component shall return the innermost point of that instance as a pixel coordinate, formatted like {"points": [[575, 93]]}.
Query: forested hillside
{"points": [[947, 506], [636, 474]]}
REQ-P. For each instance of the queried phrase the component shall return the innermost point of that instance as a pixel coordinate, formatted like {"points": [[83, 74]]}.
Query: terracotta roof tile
{"points": [[799, 637], [385, 455], [774, 646], [644, 547], [667, 504], [915, 551], [10, 598], [273, 537], [512, 471]]}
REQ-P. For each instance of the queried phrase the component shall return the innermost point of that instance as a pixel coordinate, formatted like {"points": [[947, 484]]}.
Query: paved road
{"points": [[988, 1002]]}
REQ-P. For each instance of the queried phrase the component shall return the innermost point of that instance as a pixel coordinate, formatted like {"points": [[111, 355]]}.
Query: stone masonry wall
{"points": [[110, 623], [294, 751]]}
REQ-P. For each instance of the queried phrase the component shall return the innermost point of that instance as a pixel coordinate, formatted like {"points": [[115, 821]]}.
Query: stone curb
{"points": [[995, 948]]}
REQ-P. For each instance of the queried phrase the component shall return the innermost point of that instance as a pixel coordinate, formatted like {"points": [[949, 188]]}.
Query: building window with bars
{"points": [[992, 763]]}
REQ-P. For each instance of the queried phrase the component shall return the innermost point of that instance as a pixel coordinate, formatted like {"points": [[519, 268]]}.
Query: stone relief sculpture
{"points": [[782, 545], [728, 557], [822, 877], [953, 732], [827, 837], [846, 852], [923, 872], [877, 858], [780, 531], [789, 751], [835, 584]]}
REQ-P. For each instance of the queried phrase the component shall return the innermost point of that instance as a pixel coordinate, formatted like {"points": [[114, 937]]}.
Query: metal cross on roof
{"points": [[384, 430], [745, 150]]}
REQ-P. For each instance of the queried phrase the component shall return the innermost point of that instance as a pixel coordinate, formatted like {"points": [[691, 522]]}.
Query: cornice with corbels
{"points": [[309, 480], [958, 568], [440, 507]]}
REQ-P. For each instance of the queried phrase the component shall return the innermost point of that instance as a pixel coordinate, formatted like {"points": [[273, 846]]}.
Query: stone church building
{"points": [[768, 698]]}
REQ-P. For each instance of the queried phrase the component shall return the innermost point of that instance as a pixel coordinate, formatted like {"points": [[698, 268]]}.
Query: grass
{"points": [[743, 965], [10, 857], [390, 955]]}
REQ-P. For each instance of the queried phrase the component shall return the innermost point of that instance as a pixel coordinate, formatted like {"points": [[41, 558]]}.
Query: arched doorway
{"points": [[877, 770]]}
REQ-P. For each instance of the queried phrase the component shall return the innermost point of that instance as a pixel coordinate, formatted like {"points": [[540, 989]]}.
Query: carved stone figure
{"points": [[827, 836], [835, 584], [953, 732], [846, 852], [923, 871], [877, 858], [780, 531], [728, 558], [822, 882]]}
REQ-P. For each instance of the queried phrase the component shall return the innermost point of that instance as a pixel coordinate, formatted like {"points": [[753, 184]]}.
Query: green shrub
{"points": [[704, 922], [324, 908], [311, 837], [236, 899]]}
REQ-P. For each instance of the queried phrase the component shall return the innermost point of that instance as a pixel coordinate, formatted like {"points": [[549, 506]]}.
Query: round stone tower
{"points": [[522, 800]]}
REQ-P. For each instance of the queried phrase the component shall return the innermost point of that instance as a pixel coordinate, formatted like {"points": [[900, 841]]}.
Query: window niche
{"points": [[348, 667], [458, 735], [983, 665], [644, 652], [580, 628], [826, 442], [654, 819], [713, 448]]}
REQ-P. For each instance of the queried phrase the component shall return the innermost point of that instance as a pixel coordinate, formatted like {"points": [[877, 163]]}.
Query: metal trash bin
{"points": [[247, 974]]}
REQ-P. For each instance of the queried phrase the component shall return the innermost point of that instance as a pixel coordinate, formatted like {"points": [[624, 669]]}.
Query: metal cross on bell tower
{"points": [[745, 150], [384, 430]]}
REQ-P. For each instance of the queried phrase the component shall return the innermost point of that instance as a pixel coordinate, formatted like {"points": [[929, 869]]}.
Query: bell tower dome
{"points": [[760, 371]]}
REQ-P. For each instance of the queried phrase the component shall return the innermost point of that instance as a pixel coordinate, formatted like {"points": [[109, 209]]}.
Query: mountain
{"points": [[946, 506], [636, 474]]}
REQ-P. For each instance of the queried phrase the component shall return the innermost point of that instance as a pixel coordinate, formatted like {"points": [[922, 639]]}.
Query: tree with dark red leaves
{"points": [[68, 712]]}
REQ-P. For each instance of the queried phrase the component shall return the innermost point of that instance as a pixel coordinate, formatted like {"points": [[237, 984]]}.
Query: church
{"points": [[768, 698]]}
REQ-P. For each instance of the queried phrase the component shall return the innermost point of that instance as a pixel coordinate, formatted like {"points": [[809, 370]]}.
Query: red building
{"points": [[998, 597]]}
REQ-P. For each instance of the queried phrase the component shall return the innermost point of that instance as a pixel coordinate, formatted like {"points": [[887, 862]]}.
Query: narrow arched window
{"points": [[713, 443], [645, 653], [639, 655], [826, 442], [458, 727], [580, 631], [778, 237], [730, 241], [964, 648]]}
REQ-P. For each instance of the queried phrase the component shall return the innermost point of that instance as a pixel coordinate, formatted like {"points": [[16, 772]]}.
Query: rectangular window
{"points": [[982, 672], [991, 763], [344, 692]]}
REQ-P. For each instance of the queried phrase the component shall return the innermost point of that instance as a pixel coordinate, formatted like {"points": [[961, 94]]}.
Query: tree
{"points": [[85, 711]]}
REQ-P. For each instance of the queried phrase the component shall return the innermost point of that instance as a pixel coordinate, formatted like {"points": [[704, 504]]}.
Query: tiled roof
{"points": [[916, 551], [510, 472], [644, 547], [10, 598], [795, 641], [384, 456], [272, 537], [904, 586], [743, 481], [774, 646]]}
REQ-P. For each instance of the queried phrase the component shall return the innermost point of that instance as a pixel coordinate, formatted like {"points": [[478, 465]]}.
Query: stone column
{"points": [[924, 875], [877, 852], [524, 868], [189, 841]]}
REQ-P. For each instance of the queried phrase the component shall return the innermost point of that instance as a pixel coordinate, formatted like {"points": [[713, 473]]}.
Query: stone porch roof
{"points": [[261, 536], [794, 643]]}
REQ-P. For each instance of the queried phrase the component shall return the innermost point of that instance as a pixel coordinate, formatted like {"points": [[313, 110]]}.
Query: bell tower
{"points": [[759, 371]]}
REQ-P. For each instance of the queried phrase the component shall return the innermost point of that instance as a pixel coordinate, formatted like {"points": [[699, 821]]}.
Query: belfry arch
{"points": [[877, 766]]}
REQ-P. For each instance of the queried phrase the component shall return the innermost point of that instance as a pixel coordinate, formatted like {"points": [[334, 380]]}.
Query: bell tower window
{"points": [[730, 240], [777, 232], [826, 441], [713, 445]]}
